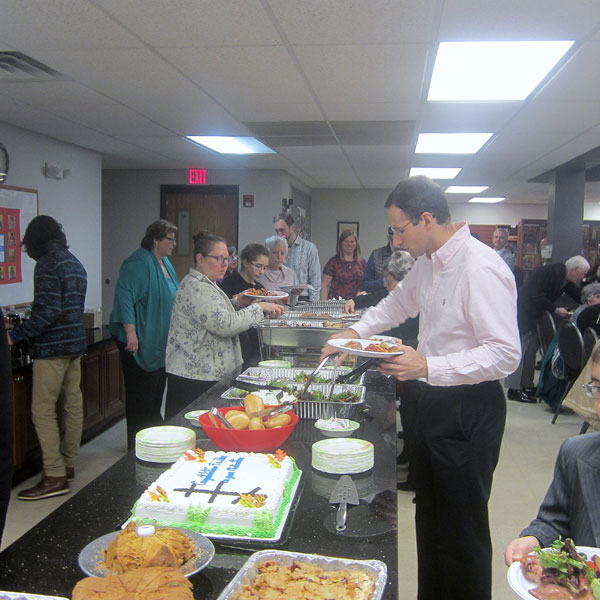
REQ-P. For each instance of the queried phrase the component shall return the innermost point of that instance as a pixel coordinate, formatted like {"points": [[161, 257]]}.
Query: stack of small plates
{"points": [[164, 444], [343, 455]]}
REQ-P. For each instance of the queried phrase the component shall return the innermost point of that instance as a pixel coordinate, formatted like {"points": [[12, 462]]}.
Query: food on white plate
{"points": [[334, 424], [166, 548], [562, 573], [353, 345]]}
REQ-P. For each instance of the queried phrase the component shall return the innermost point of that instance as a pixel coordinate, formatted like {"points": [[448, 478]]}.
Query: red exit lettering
{"points": [[197, 176]]}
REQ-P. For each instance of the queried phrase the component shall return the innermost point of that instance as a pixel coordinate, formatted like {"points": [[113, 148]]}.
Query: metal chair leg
{"points": [[557, 411]]}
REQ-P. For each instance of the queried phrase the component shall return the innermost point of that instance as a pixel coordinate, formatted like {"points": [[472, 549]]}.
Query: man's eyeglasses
{"points": [[222, 260], [399, 230], [592, 390], [171, 238], [259, 267]]}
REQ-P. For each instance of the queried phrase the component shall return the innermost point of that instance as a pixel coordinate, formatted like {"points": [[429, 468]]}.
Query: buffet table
{"points": [[44, 560]]}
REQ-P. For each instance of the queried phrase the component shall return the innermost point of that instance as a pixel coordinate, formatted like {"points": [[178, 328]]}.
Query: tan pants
{"points": [[54, 378]]}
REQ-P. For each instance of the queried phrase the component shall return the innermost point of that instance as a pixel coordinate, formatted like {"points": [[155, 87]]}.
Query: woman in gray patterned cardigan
{"points": [[203, 344]]}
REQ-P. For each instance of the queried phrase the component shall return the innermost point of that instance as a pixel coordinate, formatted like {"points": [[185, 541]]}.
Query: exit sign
{"points": [[197, 176]]}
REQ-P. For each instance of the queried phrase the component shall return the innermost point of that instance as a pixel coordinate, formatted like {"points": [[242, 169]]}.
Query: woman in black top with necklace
{"points": [[255, 259]]}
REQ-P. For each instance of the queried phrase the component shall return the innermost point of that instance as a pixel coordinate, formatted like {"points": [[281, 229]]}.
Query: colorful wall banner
{"points": [[10, 246]]}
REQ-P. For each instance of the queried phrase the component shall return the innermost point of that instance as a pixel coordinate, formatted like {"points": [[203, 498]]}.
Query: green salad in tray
{"points": [[563, 572], [303, 377], [317, 396]]}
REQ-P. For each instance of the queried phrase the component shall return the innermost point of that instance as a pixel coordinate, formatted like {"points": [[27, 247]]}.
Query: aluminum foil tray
{"points": [[289, 374], [321, 304], [248, 573], [322, 315], [292, 336], [313, 409]]}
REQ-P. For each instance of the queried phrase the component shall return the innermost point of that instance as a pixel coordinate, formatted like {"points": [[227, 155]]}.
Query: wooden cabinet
{"points": [[103, 393]]}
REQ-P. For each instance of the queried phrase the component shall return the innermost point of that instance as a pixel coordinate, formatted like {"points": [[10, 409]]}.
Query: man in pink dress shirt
{"points": [[468, 340]]}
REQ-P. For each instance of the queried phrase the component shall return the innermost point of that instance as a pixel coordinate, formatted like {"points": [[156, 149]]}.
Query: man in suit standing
{"points": [[571, 507], [537, 295]]}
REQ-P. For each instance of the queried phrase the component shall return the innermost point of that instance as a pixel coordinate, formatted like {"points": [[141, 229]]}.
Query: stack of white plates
{"points": [[343, 455], [164, 444]]}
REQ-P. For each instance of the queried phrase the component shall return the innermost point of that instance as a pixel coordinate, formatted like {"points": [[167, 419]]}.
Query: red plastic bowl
{"points": [[246, 440]]}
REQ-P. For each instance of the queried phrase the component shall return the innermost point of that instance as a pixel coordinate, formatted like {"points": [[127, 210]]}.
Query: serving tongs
{"points": [[305, 395], [356, 372], [251, 386], [271, 412], [214, 416]]}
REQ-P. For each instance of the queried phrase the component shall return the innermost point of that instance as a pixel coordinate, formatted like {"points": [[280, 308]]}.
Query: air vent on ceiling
{"points": [[16, 66]]}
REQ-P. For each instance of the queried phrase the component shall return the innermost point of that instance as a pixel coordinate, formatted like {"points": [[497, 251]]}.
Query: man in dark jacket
{"points": [[373, 277], [56, 342], [537, 295], [6, 425]]}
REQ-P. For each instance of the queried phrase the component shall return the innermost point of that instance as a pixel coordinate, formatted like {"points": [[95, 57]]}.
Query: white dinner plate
{"points": [[521, 585], [339, 343], [274, 295]]}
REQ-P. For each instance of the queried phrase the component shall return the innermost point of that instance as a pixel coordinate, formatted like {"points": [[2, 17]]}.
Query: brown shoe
{"points": [[70, 473], [46, 488]]}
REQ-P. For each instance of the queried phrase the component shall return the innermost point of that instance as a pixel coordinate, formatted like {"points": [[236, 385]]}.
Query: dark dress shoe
{"points": [[70, 473], [530, 391], [46, 488], [519, 396]]}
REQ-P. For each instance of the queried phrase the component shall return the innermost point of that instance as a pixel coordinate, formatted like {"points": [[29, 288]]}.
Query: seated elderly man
{"points": [[590, 296], [571, 507]]}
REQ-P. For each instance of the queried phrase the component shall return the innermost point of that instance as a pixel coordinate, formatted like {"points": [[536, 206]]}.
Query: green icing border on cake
{"points": [[264, 525]]}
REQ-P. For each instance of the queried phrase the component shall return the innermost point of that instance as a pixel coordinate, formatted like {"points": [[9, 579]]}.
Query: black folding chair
{"points": [[546, 330], [590, 337], [570, 346]]}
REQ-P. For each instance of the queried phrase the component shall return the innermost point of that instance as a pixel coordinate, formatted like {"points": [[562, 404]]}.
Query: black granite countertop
{"points": [[44, 560]]}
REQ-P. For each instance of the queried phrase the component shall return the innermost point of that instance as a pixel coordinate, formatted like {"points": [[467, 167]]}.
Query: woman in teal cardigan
{"points": [[144, 297]]}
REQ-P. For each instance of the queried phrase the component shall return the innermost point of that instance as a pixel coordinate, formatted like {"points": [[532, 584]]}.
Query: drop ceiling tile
{"points": [[376, 111], [288, 128], [59, 24], [41, 121], [254, 74], [325, 163], [378, 73], [53, 92], [195, 23], [275, 111], [355, 21], [517, 20], [450, 117], [109, 118], [374, 133], [379, 167]]}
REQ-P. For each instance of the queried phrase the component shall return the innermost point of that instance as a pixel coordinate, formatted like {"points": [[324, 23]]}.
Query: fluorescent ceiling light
{"points": [[231, 145], [466, 189], [484, 200], [501, 71], [451, 143], [436, 172]]}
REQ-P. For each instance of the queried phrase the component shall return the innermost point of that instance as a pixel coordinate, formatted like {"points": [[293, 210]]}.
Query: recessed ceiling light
{"points": [[451, 143], [484, 200], [466, 189], [231, 145], [501, 71], [436, 172]]}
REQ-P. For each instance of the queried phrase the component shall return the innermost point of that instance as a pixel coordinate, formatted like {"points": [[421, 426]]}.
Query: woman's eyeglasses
{"points": [[171, 238], [592, 390], [259, 267], [222, 260]]}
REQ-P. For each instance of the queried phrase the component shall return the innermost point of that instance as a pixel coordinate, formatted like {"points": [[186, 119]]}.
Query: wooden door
{"points": [[92, 388], [213, 208]]}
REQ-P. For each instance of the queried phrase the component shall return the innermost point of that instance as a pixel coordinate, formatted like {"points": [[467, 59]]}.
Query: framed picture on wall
{"points": [[351, 225]]}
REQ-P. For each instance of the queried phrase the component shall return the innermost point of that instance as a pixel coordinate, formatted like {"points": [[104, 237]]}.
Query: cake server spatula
{"points": [[345, 493]]}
